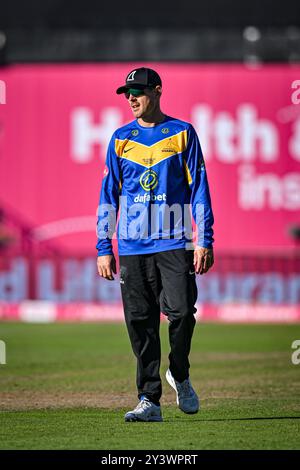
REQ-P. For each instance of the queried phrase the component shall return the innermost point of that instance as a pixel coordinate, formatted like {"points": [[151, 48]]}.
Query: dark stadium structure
{"points": [[60, 31]]}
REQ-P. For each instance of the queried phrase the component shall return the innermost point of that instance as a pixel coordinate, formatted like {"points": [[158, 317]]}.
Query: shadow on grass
{"points": [[204, 420]]}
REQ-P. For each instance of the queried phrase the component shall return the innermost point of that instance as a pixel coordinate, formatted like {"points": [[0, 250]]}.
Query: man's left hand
{"points": [[203, 259]]}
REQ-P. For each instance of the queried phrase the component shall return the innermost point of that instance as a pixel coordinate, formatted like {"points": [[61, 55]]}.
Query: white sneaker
{"points": [[145, 411], [186, 397]]}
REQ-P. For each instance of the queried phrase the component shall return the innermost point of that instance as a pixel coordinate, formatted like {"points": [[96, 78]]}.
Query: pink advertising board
{"points": [[48, 312], [57, 120]]}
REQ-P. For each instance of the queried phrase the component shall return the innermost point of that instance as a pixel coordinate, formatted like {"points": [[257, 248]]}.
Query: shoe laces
{"points": [[143, 404], [184, 388]]}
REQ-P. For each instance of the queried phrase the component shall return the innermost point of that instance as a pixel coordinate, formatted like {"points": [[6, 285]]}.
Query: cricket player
{"points": [[154, 177]]}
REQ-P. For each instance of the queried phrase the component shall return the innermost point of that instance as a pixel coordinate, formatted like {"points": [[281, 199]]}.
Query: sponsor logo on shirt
{"points": [[127, 150], [150, 197], [149, 180], [170, 147]]}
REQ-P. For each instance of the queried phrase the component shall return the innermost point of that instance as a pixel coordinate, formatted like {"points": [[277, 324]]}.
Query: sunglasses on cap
{"points": [[135, 92]]}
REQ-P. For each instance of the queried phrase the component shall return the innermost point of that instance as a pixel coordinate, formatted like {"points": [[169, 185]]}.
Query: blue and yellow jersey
{"points": [[153, 177]]}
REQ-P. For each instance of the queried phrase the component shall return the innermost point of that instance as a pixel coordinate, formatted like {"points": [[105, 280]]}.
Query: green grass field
{"points": [[67, 386]]}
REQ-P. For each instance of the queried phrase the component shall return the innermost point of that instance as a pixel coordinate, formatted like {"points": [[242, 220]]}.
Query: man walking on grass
{"points": [[154, 175]]}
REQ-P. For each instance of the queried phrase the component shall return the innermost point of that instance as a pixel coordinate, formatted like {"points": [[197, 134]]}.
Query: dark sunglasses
{"points": [[134, 92]]}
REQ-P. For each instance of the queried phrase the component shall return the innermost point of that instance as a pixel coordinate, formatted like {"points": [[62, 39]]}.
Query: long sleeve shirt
{"points": [[154, 178]]}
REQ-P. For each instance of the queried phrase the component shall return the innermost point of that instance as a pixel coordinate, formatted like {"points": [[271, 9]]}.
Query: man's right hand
{"points": [[106, 265]]}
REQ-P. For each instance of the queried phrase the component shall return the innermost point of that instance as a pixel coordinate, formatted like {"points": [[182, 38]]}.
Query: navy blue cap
{"points": [[140, 78]]}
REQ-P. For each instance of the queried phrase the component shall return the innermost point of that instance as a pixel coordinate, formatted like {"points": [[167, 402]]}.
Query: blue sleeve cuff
{"points": [[105, 252]]}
